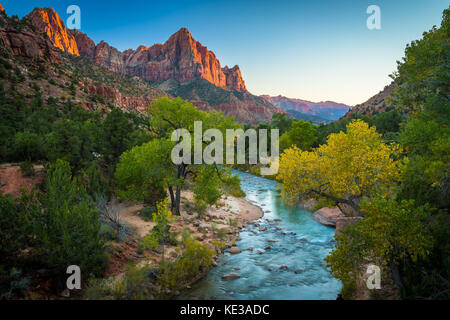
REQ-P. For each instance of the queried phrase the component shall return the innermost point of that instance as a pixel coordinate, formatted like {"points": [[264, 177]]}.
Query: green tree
{"points": [[282, 122], [67, 228], [117, 130], [391, 232], [302, 135], [146, 170]]}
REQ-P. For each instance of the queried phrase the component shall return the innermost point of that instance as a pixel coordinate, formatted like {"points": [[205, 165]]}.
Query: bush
{"points": [[196, 258], [163, 217], [27, 168], [14, 284], [135, 285], [149, 242], [147, 213]]}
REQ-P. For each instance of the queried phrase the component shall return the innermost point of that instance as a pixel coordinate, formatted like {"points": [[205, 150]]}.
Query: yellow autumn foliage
{"points": [[351, 165]]}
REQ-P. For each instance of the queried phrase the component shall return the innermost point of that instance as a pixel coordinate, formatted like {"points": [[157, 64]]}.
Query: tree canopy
{"points": [[350, 167]]}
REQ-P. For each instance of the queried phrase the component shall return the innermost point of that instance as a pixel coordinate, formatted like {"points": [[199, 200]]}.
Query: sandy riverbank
{"points": [[221, 222]]}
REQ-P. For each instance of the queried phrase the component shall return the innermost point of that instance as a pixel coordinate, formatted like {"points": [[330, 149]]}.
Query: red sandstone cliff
{"points": [[47, 21], [25, 42], [181, 58]]}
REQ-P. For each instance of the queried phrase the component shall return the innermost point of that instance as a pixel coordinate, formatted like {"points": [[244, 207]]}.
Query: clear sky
{"points": [[314, 50]]}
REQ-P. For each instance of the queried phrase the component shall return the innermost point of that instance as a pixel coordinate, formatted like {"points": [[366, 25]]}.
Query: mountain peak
{"points": [[184, 31], [46, 20]]}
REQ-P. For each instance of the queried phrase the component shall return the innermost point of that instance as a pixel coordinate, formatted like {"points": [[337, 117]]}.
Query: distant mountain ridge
{"points": [[324, 111]]}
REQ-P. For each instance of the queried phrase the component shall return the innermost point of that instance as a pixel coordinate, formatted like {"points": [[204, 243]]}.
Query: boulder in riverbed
{"points": [[231, 276], [234, 250], [328, 216]]}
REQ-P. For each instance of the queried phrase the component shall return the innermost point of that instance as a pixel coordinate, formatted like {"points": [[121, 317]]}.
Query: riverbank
{"points": [[218, 229], [333, 217]]}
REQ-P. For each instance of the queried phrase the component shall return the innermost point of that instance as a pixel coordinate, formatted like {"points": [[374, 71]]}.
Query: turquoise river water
{"points": [[297, 241]]}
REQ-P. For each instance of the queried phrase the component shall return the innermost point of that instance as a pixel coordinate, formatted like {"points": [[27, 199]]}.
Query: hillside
{"points": [[376, 104], [32, 61]]}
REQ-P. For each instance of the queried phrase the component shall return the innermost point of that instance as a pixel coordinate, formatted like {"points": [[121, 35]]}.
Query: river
{"points": [[297, 241]]}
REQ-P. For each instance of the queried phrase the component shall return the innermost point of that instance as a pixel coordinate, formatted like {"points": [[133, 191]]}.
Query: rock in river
{"points": [[230, 276], [234, 250]]}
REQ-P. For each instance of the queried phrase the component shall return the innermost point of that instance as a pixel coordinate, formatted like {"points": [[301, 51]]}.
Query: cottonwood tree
{"points": [[349, 167], [151, 165]]}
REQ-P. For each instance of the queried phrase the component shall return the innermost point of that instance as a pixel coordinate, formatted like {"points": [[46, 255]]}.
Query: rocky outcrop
{"points": [[47, 21], [328, 216], [86, 46], [26, 43], [234, 78], [114, 96]]}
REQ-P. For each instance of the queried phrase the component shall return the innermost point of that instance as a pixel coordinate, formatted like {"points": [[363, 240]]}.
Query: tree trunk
{"points": [[396, 275], [178, 201], [172, 200]]}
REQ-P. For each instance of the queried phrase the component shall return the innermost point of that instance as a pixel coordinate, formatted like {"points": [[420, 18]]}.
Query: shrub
{"points": [[147, 213], [195, 259], [135, 285], [15, 284], [149, 242], [163, 217], [27, 168]]}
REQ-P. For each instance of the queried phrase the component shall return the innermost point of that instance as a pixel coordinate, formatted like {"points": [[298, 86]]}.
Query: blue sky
{"points": [[313, 50]]}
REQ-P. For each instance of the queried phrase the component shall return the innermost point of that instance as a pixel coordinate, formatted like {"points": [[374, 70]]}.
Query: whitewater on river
{"points": [[296, 241]]}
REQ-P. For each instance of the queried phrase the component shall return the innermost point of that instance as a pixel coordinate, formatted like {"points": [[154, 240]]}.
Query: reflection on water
{"points": [[297, 241]]}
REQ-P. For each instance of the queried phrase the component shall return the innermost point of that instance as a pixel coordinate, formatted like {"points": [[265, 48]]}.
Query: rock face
{"points": [[328, 216], [113, 95], [181, 58], [25, 42], [47, 21]]}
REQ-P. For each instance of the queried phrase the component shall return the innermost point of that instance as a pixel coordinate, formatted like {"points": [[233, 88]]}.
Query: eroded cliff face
{"points": [[24, 42], [181, 58], [47, 21]]}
